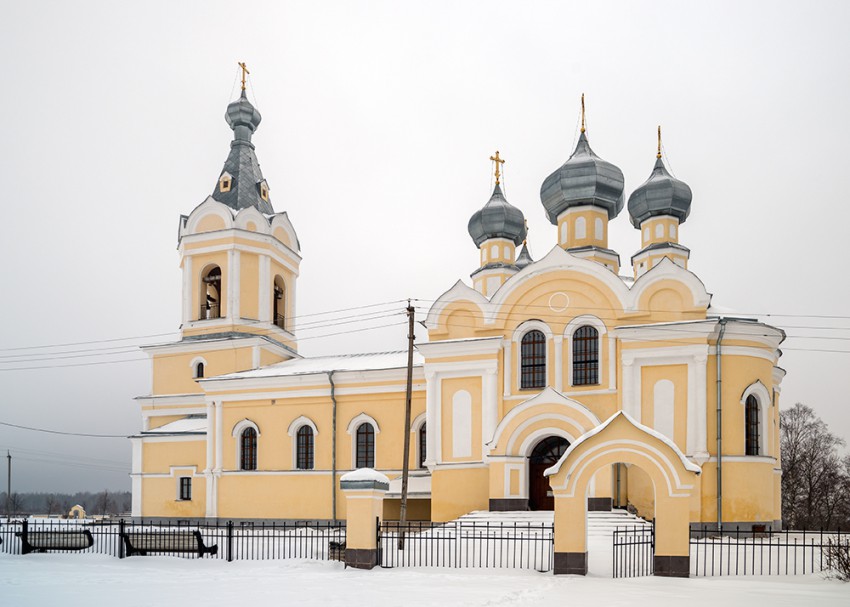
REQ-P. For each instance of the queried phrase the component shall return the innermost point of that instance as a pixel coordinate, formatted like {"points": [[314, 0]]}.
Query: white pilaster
{"points": [[612, 362], [234, 264], [432, 429], [136, 476], [558, 341], [264, 290], [700, 420], [187, 290], [490, 408], [631, 400], [507, 367]]}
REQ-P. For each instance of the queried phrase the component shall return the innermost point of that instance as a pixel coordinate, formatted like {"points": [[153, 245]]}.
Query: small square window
{"points": [[185, 488]]}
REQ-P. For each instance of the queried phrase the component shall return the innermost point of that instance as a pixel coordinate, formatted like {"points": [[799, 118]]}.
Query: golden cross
{"points": [[245, 72], [658, 155], [582, 112], [498, 161]]}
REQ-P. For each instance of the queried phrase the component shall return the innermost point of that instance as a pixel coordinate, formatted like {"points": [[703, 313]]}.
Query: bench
{"points": [[42, 541], [142, 542]]}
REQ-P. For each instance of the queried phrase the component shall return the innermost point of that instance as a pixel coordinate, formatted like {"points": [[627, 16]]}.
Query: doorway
{"points": [[547, 453]]}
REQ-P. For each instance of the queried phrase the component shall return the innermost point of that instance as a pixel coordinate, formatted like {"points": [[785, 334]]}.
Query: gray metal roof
{"points": [[524, 257], [497, 219], [241, 163], [661, 194], [584, 179]]}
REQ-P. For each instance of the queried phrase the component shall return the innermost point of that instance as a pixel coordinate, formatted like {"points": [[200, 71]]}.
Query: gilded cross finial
{"points": [[658, 154], [245, 72], [497, 161], [582, 113]]}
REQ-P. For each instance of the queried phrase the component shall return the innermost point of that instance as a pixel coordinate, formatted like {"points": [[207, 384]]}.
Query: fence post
{"points": [[364, 491], [229, 541], [121, 539]]}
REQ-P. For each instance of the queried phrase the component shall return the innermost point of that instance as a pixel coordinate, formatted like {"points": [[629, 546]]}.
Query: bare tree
{"points": [[814, 478], [52, 504], [103, 503]]}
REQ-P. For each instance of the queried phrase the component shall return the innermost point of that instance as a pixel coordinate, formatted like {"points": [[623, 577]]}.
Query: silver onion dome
{"points": [[661, 194], [497, 219], [584, 179]]}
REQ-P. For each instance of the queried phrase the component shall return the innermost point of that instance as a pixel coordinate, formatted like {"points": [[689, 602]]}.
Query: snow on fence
{"points": [[467, 544], [764, 553], [245, 540]]}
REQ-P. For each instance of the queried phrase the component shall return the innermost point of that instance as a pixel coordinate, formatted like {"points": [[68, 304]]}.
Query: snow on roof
{"points": [[688, 464], [365, 474], [187, 424], [341, 362], [418, 485]]}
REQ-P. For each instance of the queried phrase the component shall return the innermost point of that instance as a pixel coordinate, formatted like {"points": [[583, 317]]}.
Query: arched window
{"points": [[248, 449], [199, 370], [211, 293], [585, 356], [581, 228], [365, 453], [423, 445], [304, 448], [533, 360], [752, 425], [279, 303], [599, 229]]}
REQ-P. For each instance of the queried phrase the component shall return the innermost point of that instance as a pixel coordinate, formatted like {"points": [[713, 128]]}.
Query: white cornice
{"points": [[461, 347]]}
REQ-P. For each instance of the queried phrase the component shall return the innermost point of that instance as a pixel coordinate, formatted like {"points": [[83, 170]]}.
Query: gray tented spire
{"points": [[246, 187], [524, 257]]}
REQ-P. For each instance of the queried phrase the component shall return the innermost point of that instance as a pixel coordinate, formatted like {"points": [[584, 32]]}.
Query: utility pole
{"points": [[8, 484], [405, 466]]}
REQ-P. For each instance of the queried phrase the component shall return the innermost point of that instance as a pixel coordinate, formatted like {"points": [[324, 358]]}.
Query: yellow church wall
{"points": [[749, 492], [449, 388], [417, 509], [456, 491], [739, 372], [283, 237], [161, 455], [678, 375], [159, 497], [641, 492], [173, 373], [210, 223], [301, 496], [590, 215], [249, 279], [669, 230]]}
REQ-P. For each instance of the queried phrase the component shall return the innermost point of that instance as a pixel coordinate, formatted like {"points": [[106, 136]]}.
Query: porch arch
{"points": [[622, 440]]}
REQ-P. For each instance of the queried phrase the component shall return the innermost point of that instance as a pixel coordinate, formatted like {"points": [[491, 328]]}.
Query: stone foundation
{"points": [[672, 566], [508, 504], [570, 563], [362, 558], [599, 504]]}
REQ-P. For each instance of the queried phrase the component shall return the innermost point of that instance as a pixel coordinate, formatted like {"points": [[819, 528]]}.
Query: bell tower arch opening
{"points": [[210, 293], [545, 454]]}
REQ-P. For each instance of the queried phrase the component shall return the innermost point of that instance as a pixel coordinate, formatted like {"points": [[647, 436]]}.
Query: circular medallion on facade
{"points": [[558, 302]]}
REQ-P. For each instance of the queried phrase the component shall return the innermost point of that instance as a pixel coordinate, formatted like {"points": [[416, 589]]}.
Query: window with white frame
{"points": [[304, 448], [184, 492], [248, 449], [585, 356], [751, 424], [533, 360], [365, 448]]}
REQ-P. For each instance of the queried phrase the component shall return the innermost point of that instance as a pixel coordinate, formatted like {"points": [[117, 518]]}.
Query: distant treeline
{"points": [[105, 502]]}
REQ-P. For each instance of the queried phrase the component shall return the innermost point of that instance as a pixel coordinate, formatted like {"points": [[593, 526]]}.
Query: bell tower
{"points": [[240, 262]]}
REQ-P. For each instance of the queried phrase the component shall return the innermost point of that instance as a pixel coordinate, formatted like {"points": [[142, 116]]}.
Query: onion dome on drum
{"points": [[584, 179], [497, 219], [661, 194]]}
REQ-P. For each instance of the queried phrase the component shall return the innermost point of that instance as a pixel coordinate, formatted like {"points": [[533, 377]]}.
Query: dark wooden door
{"points": [[545, 454]]}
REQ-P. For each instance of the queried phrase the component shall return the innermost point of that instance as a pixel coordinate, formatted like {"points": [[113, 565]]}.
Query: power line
{"points": [[62, 432]]}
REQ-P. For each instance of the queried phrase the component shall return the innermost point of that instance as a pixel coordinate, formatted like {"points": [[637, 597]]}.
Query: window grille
{"points": [[752, 425], [248, 452], [585, 356], [304, 448], [365, 457], [533, 360]]}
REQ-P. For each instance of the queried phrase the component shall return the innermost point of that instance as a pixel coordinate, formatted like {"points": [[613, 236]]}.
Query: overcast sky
{"points": [[378, 121]]}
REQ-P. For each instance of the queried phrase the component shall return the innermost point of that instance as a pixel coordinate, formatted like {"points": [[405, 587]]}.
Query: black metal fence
{"points": [[227, 540], [764, 553], [468, 544], [634, 549]]}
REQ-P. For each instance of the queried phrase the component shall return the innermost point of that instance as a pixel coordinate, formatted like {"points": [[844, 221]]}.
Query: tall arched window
{"points": [[752, 425], [304, 448], [365, 455], [585, 356], [248, 449], [423, 445], [279, 303], [211, 293], [199, 370], [533, 360]]}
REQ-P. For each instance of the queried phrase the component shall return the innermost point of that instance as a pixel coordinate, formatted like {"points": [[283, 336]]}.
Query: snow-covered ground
{"points": [[83, 580]]}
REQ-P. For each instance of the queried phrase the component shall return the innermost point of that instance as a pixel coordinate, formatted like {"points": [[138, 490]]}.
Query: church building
{"points": [[528, 358]]}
